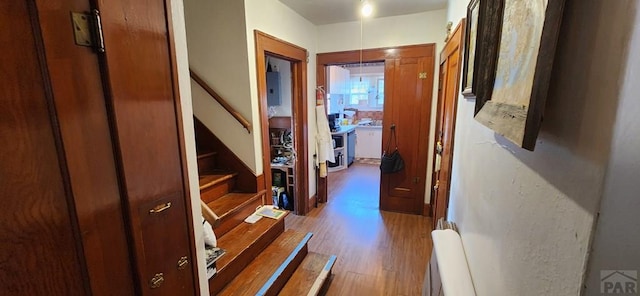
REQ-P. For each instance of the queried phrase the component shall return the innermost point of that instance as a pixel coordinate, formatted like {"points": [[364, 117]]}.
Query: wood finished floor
{"points": [[379, 253]]}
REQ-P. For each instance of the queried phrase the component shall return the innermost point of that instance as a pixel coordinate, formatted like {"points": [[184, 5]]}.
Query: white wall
{"points": [[180, 39], [284, 68], [218, 52], [410, 29], [276, 19], [616, 241], [526, 218]]}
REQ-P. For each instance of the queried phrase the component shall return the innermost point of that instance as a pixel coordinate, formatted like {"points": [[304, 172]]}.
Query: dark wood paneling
{"points": [[38, 253], [376, 54], [245, 181], [79, 100], [143, 110]]}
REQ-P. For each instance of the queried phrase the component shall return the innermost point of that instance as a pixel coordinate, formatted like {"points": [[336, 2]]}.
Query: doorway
{"points": [[355, 100], [355, 105], [281, 118], [294, 161], [408, 89]]}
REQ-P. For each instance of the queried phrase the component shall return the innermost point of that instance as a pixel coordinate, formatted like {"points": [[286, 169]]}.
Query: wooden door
{"points": [[408, 93], [450, 66], [79, 100], [145, 119], [76, 189], [39, 248]]}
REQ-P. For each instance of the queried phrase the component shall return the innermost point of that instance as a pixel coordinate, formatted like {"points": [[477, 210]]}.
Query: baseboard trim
{"points": [[313, 203], [426, 210]]}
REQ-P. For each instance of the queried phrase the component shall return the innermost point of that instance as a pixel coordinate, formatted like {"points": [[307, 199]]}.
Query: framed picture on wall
{"points": [[473, 11], [518, 42]]}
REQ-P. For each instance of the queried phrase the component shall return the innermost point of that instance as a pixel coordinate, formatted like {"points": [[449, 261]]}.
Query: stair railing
{"points": [[209, 215], [245, 123]]}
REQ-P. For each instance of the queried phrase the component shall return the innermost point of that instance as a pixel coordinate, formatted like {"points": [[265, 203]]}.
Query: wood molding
{"points": [[312, 203], [448, 93], [376, 54], [426, 210], [268, 45], [454, 44]]}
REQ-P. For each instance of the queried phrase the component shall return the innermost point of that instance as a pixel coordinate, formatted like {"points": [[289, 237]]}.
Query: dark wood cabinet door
{"points": [[408, 93], [145, 120], [39, 243], [76, 85], [91, 180]]}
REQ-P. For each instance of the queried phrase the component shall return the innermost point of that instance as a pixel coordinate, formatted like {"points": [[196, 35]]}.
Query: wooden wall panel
{"points": [[145, 119], [38, 250], [80, 104]]}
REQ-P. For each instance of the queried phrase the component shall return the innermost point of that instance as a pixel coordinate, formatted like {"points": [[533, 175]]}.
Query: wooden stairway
{"points": [[261, 258]]}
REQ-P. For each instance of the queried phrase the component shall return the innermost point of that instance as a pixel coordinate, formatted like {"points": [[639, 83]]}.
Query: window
{"points": [[358, 91], [366, 91], [380, 97], [357, 86]]}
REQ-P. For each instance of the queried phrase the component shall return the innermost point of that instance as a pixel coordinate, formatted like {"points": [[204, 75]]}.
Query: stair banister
{"points": [[245, 123], [209, 215]]}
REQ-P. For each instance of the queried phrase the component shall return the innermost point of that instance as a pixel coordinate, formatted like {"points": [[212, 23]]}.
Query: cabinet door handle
{"points": [[160, 208]]}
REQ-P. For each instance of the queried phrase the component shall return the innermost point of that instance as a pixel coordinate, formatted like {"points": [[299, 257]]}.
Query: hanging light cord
{"points": [[361, 17]]}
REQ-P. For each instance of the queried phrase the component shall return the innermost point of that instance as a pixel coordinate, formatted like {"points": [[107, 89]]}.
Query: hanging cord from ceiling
{"points": [[361, 29]]}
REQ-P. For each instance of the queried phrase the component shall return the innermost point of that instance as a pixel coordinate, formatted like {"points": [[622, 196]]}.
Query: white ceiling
{"points": [[322, 12]]}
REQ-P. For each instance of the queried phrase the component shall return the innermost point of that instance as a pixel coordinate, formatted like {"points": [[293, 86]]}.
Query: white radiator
{"points": [[448, 271]]}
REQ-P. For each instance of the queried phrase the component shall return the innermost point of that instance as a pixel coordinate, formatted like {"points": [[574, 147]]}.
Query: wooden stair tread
{"points": [[309, 278], [231, 202], [238, 239], [211, 179], [269, 264], [207, 154]]}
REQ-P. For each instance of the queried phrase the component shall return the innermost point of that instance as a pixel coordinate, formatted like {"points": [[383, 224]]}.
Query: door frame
{"points": [[368, 55], [267, 45], [455, 43]]}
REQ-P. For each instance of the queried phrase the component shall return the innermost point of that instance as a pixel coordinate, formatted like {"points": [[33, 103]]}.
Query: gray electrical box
{"points": [[273, 89]]}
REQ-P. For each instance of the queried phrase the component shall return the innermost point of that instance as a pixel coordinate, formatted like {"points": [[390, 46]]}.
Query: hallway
{"points": [[379, 253]]}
